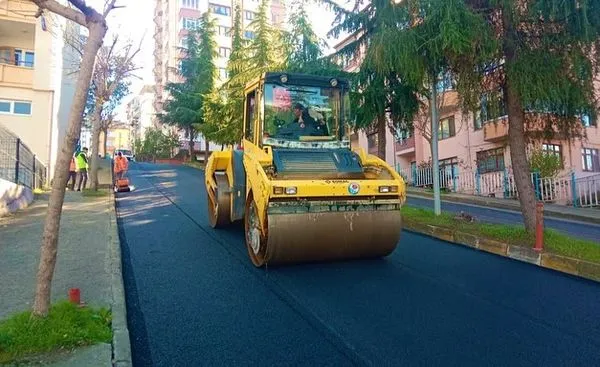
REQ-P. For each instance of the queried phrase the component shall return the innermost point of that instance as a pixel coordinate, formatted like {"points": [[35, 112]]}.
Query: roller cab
{"points": [[304, 195]]}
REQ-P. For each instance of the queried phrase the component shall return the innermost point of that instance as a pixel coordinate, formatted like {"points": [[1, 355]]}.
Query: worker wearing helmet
{"points": [[121, 166]]}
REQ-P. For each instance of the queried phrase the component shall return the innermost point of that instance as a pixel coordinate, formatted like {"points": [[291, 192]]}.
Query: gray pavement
{"points": [[84, 258]]}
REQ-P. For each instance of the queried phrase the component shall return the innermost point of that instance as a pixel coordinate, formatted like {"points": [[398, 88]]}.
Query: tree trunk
{"points": [[191, 136], [105, 133], [93, 171], [49, 247], [518, 157], [381, 135], [516, 134], [206, 150]]}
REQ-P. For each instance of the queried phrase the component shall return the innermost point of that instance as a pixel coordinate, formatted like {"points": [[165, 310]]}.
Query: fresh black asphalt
{"points": [[490, 215], [194, 299]]}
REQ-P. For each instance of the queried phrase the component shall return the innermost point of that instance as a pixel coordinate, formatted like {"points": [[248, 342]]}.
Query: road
{"points": [[194, 299], [583, 230]]}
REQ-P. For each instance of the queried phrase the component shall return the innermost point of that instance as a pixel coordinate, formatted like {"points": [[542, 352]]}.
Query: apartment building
{"points": [[475, 143], [37, 83], [140, 111], [173, 19]]}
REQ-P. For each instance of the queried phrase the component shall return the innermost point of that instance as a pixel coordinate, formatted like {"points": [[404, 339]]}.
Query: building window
{"points": [[274, 18], [492, 106], [490, 160], [552, 149], [590, 160], [222, 73], [249, 35], [220, 9], [224, 31], [189, 23], [224, 51], [249, 15], [587, 121], [15, 107], [24, 58], [477, 124], [446, 129], [190, 4], [445, 82]]}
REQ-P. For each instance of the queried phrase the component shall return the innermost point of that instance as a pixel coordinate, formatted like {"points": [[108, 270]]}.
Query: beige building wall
{"points": [[42, 84]]}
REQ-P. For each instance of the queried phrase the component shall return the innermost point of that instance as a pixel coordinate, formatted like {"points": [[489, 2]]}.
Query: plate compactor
{"points": [[122, 184], [304, 195]]}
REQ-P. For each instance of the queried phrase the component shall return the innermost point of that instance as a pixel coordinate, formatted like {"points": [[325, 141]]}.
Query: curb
{"points": [[121, 345], [494, 204], [568, 265]]}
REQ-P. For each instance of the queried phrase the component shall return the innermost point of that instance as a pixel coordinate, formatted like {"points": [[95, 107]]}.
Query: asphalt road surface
{"points": [[501, 216], [194, 299]]}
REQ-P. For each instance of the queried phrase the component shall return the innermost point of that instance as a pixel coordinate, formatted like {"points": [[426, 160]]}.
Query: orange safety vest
{"points": [[120, 164]]}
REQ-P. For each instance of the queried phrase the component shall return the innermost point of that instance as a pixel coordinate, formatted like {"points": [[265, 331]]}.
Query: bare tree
{"points": [[114, 64], [79, 12]]}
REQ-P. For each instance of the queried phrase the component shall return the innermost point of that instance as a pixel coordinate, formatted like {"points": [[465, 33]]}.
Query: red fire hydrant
{"points": [[539, 226]]}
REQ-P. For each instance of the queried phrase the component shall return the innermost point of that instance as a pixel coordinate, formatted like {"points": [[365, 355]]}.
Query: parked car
{"points": [[126, 153]]}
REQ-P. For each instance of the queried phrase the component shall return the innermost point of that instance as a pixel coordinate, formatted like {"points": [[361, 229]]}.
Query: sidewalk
{"points": [[551, 210], [86, 259]]}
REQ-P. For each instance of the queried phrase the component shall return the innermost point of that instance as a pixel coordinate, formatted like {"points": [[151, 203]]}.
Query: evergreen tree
{"points": [[549, 52], [379, 99], [304, 48], [198, 71], [225, 108]]}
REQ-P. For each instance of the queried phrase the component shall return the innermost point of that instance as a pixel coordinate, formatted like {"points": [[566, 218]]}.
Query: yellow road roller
{"points": [[303, 193]]}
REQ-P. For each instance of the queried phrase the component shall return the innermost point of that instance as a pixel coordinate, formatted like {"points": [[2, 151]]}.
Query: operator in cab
{"points": [[302, 125]]}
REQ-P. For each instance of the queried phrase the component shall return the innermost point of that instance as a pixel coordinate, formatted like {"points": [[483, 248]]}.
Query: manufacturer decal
{"points": [[353, 188]]}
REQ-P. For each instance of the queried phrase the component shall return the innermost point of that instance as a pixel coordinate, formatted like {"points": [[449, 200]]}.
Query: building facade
{"points": [[173, 19], [140, 112], [37, 77], [473, 145]]}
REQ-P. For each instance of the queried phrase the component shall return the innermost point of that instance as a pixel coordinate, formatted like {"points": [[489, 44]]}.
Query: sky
{"points": [[136, 22]]}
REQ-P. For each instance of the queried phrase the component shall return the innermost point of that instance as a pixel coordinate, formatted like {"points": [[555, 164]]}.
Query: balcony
{"points": [[535, 128], [496, 130], [406, 146], [16, 76], [18, 10]]}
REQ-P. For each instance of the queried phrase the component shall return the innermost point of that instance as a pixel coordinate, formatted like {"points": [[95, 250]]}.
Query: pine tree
{"points": [[198, 71], [549, 52]]}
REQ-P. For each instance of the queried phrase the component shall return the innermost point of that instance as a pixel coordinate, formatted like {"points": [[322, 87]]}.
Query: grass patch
{"points": [[67, 326], [39, 191], [196, 165], [91, 193], [554, 241]]}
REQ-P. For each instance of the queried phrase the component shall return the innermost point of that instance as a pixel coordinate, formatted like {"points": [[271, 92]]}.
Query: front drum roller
{"points": [[314, 235], [219, 209]]}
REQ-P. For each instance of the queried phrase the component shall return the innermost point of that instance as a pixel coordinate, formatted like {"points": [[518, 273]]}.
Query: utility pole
{"points": [[437, 204]]}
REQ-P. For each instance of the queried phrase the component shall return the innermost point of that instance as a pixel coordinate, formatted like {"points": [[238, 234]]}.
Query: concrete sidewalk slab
{"points": [[88, 259]]}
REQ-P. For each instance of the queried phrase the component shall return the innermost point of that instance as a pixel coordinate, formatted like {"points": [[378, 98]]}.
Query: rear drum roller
{"points": [[255, 240], [218, 211]]}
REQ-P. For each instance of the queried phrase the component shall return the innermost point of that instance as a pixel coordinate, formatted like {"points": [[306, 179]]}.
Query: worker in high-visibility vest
{"points": [[72, 173], [121, 166], [81, 162]]}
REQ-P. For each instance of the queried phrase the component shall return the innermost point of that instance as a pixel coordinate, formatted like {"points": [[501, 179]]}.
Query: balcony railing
{"points": [[16, 75], [405, 146]]}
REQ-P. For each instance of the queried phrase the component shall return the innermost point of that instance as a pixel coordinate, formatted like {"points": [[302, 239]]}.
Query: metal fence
{"points": [[567, 189], [18, 164]]}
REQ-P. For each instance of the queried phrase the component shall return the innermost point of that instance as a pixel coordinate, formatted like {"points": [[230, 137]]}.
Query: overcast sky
{"points": [[136, 21]]}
